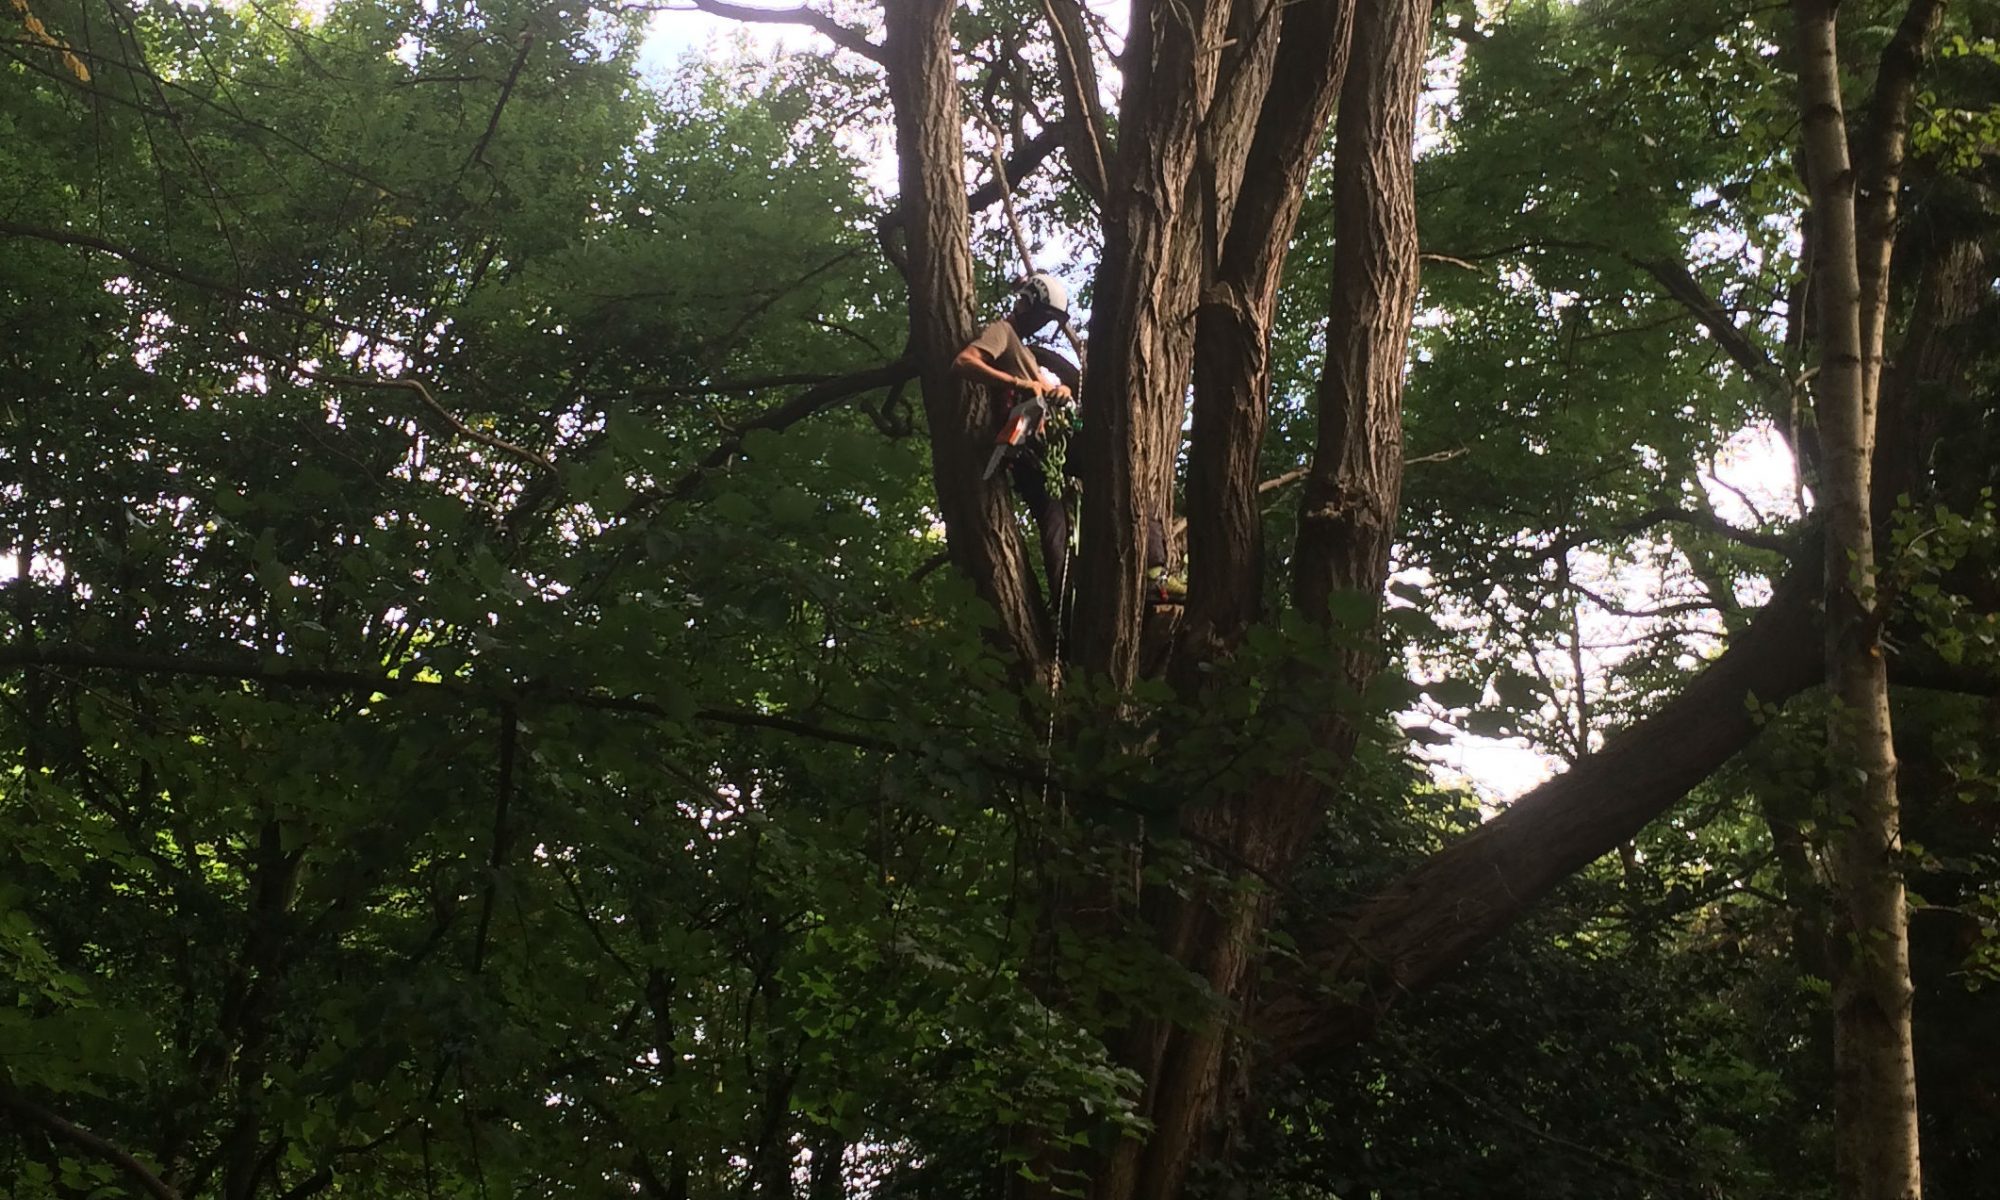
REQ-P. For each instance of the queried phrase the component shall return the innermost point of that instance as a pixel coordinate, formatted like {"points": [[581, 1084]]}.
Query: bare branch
{"points": [[1028, 155], [1706, 522], [731, 387], [1449, 260], [478, 155], [1079, 80], [1680, 284], [840, 35], [1269, 485]]}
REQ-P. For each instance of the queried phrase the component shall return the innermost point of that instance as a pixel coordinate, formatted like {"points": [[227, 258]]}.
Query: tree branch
{"points": [[1680, 284], [76, 1135], [832, 30], [145, 262], [478, 155], [443, 414], [1028, 155], [1439, 912], [1078, 72], [1269, 485], [337, 680], [808, 403], [731, 387], [482, 695], [1706, 522]]}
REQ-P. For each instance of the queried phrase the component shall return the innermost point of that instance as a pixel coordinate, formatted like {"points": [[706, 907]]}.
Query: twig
{"points": [[1269, 485], [1450, 260], [729, 387]]}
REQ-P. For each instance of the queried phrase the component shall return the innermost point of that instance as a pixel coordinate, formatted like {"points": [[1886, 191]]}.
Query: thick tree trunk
{"points": [[1347, 515], [1216, 934], [1140, 351], [1875, 1101], [979, 520], [1232, 374]]}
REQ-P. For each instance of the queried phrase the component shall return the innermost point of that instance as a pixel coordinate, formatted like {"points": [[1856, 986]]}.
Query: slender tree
{"points": [[1854, 201]]}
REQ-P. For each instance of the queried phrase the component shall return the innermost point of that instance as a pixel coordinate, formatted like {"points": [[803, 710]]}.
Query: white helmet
{"points": [[1046, 291]]}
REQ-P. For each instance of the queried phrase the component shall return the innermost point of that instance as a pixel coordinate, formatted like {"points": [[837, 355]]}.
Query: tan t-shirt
{"points": [[1002, 347]]}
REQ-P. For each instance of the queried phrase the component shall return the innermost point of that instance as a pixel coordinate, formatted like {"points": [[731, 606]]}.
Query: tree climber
{"points": [[1012, 370], [1000, 359]]}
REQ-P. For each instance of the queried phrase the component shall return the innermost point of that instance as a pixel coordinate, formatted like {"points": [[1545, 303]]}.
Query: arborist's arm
{"points": [[973, 364]]}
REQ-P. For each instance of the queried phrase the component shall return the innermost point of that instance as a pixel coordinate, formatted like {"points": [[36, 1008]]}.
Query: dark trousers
{"points": [[1051, 519], [1051, 516]]}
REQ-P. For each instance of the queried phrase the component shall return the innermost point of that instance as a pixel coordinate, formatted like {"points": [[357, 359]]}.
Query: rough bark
{"points": [[984, 540], [1232, 375], [1929, 365], [1216, 934], [1347, 514], [1140, 352], [1875, 1099], [1087, 126]]}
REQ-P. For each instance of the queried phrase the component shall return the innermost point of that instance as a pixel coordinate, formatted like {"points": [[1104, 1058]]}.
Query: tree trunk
{"points": [[1232, 374], [1216, 934], [984, 539], [1875, 1101], [1224, 103], [1140, 352]]}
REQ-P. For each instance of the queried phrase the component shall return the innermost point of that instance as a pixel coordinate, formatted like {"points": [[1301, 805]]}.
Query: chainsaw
{"points": [[1025, 421]]}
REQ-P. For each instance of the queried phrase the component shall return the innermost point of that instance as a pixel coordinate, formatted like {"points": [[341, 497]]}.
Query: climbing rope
{"points": [[1054, 465]]}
